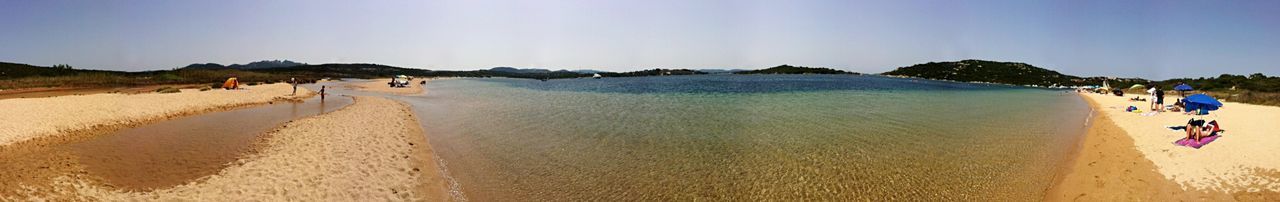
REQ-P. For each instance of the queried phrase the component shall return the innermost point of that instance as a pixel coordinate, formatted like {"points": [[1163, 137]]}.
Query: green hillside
{"points": [[986, 71], [788, 69]]}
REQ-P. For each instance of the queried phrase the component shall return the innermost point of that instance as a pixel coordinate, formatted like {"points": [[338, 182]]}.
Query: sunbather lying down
{"points": [[1197, 129]]}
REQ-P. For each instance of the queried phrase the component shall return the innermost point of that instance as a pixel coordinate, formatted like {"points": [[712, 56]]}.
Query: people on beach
{"points": [[1179, 105], [1152, 92], [1197, 129], [322, 93], [1159, 100], [294, 82]]}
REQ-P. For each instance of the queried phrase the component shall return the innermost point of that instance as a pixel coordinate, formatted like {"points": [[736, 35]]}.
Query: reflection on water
{"points": [[175, 151], [716, 137]]}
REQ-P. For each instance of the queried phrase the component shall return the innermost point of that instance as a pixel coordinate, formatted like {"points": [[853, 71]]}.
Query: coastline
{"points": [[1109, 166], [354, 151], [62, 118]]}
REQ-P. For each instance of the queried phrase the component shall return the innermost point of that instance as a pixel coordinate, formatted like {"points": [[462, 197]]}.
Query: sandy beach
{"points": [[29, 118], [354, 153], [1130, 157], [380, 85]]}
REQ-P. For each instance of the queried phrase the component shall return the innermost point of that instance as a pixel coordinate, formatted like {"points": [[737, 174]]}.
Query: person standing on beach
{"points": [[1152, 93], [1159, 100], [294, 82], [322, 93]]}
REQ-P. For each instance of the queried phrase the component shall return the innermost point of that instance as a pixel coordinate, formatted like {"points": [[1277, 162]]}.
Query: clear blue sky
{"points": [[1152, 39]]}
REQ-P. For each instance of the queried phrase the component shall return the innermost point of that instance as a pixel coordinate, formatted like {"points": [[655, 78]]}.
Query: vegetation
{"points": [[788, 69], [1255, 88], [653, 72], [987, 71]]}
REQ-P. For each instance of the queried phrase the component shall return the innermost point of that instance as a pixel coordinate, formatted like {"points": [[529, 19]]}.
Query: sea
{"points": [[748, 137]]}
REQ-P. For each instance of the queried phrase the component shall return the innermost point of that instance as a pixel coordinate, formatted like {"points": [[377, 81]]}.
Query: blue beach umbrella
{"points": [[1181, 88], [1201, 101]]}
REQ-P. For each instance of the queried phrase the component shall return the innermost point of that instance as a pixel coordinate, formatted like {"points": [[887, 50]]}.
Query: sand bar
{"points": [[380, 85], [28, 118], [353, 154]]}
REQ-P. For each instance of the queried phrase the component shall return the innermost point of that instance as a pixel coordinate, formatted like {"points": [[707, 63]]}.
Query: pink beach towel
{"points": [[1193, 144]]}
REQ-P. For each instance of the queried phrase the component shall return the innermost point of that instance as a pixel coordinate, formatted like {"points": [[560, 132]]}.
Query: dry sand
{"points": [[1129, 157], [353, 154], [28, 118], [380, 85]]}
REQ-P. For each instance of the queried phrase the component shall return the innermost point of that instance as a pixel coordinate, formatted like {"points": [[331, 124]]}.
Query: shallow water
{"points": [[176, 151], [728, 137]]}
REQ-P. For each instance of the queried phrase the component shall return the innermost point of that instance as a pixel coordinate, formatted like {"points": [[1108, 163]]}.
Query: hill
{"points": [[265, 64], [519, 71], [653, 72], [987, 71], [788, 69], [18, 70]]}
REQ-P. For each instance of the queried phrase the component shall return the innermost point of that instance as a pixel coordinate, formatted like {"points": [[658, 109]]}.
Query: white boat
{"points": [[596, 76]]}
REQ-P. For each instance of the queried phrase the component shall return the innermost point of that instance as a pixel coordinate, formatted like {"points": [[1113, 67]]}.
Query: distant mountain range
{"points": [[265, 64]]}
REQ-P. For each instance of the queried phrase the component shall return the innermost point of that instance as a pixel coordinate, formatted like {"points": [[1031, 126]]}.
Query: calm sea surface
{"points": [[734, 137]]}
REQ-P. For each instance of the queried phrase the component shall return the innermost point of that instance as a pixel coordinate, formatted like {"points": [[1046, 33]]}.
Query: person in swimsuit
{"points": [[322, 93], [1194, 128]]}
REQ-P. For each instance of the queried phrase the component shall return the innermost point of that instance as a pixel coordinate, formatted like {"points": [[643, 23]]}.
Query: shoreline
{"points": [[1101, 164], [353, 150], [380, 85], [1109, 166], [60, 123], [1072, 156]]}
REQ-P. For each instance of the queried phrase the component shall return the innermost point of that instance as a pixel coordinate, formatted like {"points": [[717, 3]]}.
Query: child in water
{"points": [[321, 93]]}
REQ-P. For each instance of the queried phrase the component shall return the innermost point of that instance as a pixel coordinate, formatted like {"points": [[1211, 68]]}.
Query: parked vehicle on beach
{"points": [[400, 81]]}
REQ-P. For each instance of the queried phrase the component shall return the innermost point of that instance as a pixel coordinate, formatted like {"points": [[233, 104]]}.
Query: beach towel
{"points": [[1193, 144]]}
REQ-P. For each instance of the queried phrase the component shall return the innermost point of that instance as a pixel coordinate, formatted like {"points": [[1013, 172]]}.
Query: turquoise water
{"points": [[728, 137]]}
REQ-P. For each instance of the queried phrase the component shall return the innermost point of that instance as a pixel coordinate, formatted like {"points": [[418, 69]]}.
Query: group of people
{"points": [[1157, 99], [233, 83], [294, 82], [1197, 129]]}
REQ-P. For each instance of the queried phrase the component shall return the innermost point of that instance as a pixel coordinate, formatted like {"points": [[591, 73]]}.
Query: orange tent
{"points": [[231, 84]]}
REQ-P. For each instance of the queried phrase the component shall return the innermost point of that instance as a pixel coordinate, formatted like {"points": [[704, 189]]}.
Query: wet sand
{"points": [[53, 117], [356, 153], [380, 85], [1112, 166], [174, 152]]}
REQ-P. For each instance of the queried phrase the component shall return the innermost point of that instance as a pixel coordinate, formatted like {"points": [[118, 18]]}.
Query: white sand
{"points": [[1245, 158], [27, 118], [353, 154], [380, 85]]}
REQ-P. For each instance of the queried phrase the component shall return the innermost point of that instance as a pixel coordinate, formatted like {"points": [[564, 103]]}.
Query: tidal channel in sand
{"points": [[173, 152], [176, 151]]}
